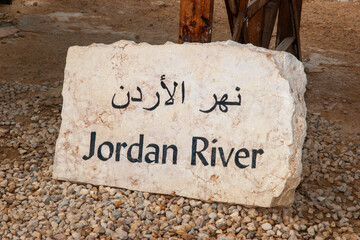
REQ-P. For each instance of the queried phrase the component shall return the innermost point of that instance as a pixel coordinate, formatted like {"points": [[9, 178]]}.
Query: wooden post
{"points": [[271, 10], [196, 17], [236, 15], [255, 28], [289, 27]]}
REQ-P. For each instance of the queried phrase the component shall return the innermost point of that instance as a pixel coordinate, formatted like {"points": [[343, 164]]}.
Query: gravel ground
{"points": [[33, 205]]}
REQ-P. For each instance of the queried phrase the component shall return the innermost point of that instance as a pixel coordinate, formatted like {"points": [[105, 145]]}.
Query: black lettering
{"points": [[222, 156], [111, 151], [140, 145], [118, 149], [92, 146], [254, 153], [213, 154], [237, 156], [155, 153], [194, 152], [175, 151]]}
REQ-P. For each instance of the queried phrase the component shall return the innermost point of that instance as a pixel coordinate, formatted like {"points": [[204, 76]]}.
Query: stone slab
{"points": [[231, 130]]}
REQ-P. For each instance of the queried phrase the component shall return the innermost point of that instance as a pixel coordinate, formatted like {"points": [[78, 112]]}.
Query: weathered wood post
{"points": [[196, 17], [253, 22], [287, 37]]}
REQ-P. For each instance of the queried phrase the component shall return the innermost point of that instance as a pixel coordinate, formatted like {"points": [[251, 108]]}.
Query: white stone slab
{"points": [[263, 133]]}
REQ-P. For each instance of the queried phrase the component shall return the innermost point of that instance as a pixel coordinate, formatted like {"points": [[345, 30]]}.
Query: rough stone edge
{"points": [[287, 197]]}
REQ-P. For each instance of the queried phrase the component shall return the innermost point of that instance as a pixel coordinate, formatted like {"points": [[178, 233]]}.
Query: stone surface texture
{"points": [[271, 117]]}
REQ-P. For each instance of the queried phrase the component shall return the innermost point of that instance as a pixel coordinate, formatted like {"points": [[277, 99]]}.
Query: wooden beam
{"points": [[296, 7], [271, 9], [285, 27], [238, 26], [255, 16], [196, 17], [229, 5], [254, 6], [285, 44], [289, 25], [236, 12]]}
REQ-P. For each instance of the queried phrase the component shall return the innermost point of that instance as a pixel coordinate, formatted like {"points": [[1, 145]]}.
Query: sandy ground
{"points": [[35, 36]]}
